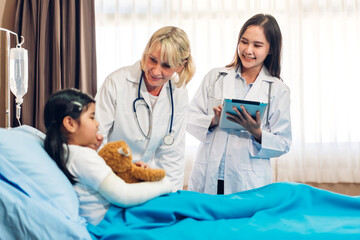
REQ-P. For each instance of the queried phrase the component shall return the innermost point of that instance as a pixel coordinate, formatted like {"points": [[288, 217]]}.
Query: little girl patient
{"points": [[71, 140]]}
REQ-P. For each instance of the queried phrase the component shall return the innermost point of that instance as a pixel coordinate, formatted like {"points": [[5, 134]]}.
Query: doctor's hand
{"points": [[253, 126], [141, 164], [215, 120], [97, 144]]}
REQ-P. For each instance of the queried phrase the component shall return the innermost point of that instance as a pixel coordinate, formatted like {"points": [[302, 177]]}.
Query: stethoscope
{"points": [[168, 139]]}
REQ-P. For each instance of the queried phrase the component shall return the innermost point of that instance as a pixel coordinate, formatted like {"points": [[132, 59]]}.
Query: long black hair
{"points": [[272, 34], [69, 102]]}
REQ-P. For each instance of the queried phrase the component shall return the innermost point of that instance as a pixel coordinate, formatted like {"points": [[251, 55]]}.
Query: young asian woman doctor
{"points": [[145, 104], [231, 160]]}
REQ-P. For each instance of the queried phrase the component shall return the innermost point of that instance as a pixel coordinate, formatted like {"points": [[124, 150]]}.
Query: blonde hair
{"points": [[175, 50]]}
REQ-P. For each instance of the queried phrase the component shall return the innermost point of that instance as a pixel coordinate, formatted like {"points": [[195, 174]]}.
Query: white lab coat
{"points": [[247, 162], [114, 111]]}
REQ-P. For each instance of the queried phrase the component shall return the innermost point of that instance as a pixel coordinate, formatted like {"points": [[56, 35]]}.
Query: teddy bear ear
{"points": [[125, 153]]}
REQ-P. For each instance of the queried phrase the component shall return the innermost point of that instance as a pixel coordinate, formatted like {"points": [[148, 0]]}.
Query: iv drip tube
{"points": [[7, 67]]}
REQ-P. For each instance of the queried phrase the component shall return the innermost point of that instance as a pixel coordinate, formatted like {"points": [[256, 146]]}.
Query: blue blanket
{"points": [[276, 211]]}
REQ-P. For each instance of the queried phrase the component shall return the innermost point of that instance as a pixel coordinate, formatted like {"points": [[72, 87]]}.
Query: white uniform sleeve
{"points": [[200, 112], [172, 158], [105, 107], [123, 194], [276, 142]]}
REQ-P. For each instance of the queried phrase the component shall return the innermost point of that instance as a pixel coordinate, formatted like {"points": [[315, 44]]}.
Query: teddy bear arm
{"points": [[128, 177], [148, 174]]}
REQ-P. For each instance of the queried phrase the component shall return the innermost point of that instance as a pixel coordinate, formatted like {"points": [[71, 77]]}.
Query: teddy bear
{"points": [[118, 156]]}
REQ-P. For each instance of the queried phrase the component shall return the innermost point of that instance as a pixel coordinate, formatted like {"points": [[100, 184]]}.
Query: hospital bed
{"points": [[38, 202]]}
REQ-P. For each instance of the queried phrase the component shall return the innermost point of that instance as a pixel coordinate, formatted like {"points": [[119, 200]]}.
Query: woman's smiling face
{"points": [[156, 73], [253, 48]]}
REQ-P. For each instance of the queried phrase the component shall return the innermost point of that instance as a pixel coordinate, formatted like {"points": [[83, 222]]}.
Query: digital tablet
{"points": [[250, 106]]}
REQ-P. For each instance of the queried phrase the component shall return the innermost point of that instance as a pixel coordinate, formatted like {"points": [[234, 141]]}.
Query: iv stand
{"points": [[7, 67]]}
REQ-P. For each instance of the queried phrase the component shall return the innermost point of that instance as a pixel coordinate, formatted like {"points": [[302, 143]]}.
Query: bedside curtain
{"points": [[60, 39]]}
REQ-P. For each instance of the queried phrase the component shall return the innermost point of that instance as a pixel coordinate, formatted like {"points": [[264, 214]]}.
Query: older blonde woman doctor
{"points": [[145, 105]]}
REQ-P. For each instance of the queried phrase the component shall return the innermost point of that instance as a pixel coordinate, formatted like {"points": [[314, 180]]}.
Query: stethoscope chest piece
{"points": [[168, 140]]}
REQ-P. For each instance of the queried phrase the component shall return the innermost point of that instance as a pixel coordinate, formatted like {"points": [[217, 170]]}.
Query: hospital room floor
{"points": [[351, 189]]}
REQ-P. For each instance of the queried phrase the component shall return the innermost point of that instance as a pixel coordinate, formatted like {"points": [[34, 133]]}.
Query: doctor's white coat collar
{"points": [[134, 73], [264, 75], [229, 84]]}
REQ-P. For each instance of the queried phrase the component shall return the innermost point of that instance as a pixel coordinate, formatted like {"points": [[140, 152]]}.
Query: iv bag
{"points": [[18, 73]]}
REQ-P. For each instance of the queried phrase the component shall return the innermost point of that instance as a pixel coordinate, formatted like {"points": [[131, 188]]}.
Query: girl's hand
{"points": [[215, 120], [142, 164], [253, 126]]}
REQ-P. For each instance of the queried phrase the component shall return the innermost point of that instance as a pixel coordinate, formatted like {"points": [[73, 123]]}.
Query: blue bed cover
{"points": [[277, 211]]}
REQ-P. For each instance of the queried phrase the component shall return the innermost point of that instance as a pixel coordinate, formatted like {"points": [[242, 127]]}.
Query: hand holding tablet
{"points": [[251, 107]]}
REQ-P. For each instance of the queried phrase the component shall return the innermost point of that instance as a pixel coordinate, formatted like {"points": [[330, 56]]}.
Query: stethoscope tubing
{"points": [[147, 136]]}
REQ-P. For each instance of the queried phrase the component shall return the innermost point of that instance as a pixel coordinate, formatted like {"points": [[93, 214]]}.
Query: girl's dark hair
{"points": [[69, 102], [273, 36]]}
